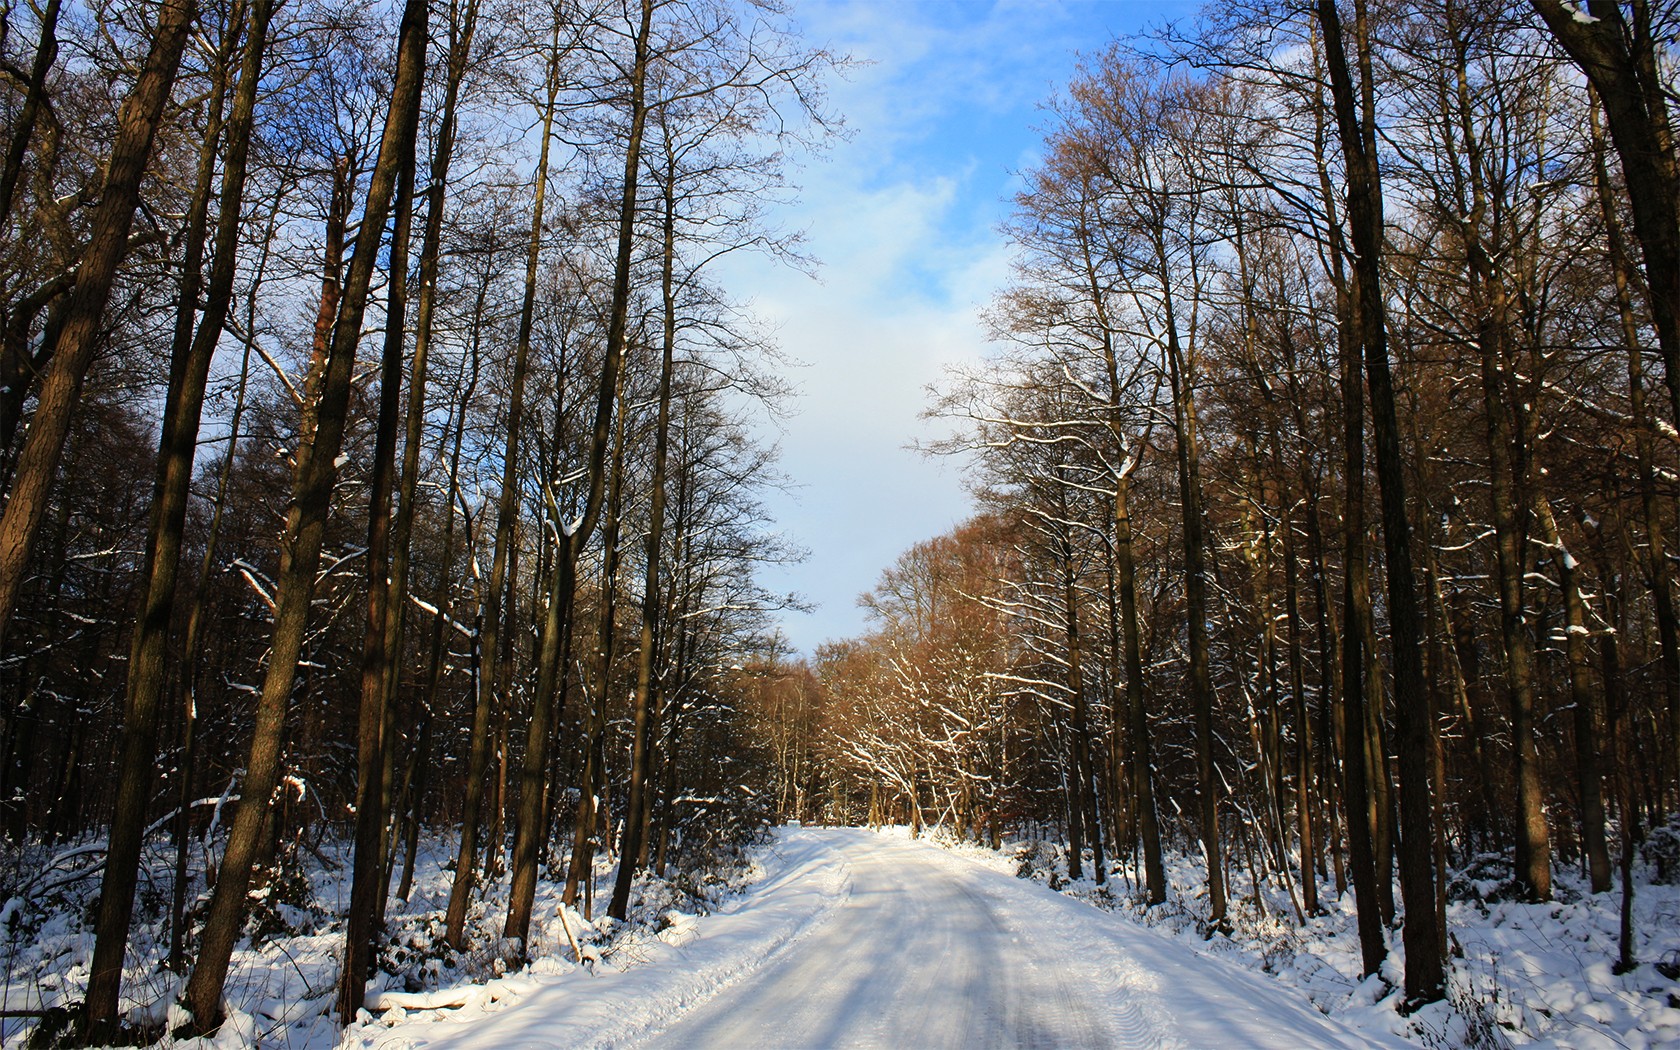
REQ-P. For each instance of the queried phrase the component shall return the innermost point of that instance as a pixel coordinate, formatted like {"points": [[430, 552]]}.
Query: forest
{"points": [[375, 447], [383, 472], [1325, 465]]}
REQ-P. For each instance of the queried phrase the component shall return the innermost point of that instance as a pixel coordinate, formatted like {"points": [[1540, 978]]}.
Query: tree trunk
{"points": [[192, 659], [1349, 716], [590, 783], [1182, 376], [189, 371], [315, 473], [478, 761], [1582, 698], [78, 338], [1510, 483], [617, 327], [1659, 574], [1425, 964], [1143, 760], [462, 23], [374, 745], [1303, 728], [1081, 797], [646, 657]]}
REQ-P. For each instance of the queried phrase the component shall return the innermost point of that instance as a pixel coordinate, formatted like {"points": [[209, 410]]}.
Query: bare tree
{"points": [[76, 342], [316, 470]]}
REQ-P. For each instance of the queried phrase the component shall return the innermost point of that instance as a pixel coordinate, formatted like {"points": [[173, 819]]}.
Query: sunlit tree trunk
{"points": [[189, 372], [321, 439]]}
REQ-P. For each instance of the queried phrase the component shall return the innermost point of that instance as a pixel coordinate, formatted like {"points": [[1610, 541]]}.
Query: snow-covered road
{"points": [[859, 939], [921, 954]]}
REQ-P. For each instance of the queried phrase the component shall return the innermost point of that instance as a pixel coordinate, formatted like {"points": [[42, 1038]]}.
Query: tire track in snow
{"points": [[807, 883]]}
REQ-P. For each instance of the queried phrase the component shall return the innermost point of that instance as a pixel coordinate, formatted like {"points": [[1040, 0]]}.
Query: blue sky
{"points": [[903, 219]]}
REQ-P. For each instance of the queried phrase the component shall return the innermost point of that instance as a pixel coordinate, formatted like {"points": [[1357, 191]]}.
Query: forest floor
{"points": [[847, 937]]}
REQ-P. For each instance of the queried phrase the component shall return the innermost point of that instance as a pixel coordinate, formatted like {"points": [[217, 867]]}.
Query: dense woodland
{"points": [[1327, 474], [378, 461], [377, 445]]}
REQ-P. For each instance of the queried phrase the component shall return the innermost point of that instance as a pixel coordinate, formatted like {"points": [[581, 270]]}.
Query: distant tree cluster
{"points": [[1329, 474], [375, 446]]}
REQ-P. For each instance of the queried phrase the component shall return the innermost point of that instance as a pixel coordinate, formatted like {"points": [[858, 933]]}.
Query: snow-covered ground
{"points": [[281, 984], [1523, 975], [860, 939], [640, 985], [846, 937]]}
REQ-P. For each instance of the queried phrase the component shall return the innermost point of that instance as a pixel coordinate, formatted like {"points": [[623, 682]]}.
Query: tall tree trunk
{"points": [[322, 438], [1425, 963], [478, 761], [189, 372], [1582, 698], [1533, 849], [463, 20], [78, 338], [590, 785], [1304, 828], [576, 534], [1134, 710], [374, 745], [1616, 702], [530, 833], [646, 657], [558, 563], [1348, 717], [1356, 608], [1081, 795], [1181, 372], [1509, 476], [1659, 572], [191, 661], [1137, 715]]}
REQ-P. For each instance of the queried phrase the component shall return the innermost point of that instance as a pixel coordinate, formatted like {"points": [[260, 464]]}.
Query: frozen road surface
{"points": [[859, 939]]}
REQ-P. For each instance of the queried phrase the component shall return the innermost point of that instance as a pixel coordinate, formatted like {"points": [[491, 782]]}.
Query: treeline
{"points": [[375, 445], [1328, 470]]}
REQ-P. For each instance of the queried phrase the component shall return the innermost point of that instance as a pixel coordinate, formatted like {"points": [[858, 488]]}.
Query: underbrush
{"points": [[282, 983]]}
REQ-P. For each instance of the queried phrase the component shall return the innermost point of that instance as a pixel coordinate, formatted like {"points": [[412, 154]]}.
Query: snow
{"points": [[638, 987], [863, 939], [1530, 975], [849, 937]]}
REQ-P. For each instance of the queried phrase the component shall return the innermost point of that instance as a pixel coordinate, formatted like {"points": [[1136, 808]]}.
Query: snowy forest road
{"points": [[861, 939], [931, 950], [914, 957]]}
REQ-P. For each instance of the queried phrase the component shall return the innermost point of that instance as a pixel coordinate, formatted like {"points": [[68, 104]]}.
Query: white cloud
{"points": [[902, 217]]}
